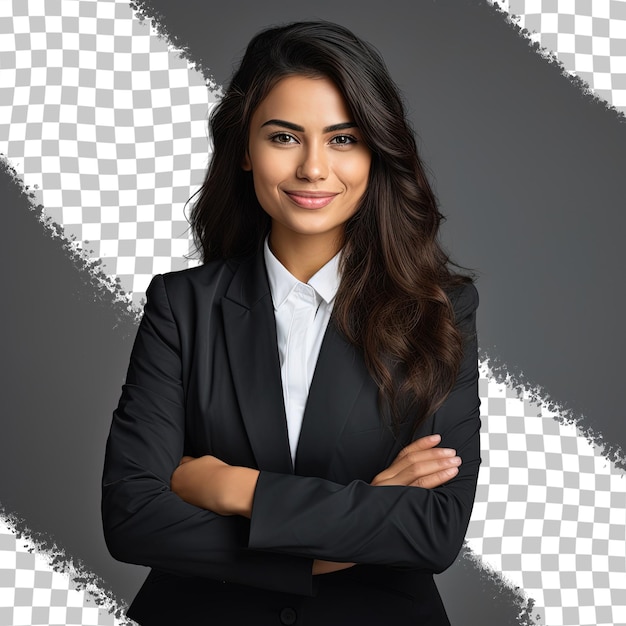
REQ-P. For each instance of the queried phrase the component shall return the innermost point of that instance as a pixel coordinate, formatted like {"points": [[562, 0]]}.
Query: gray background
{"points": [[528, 170]]}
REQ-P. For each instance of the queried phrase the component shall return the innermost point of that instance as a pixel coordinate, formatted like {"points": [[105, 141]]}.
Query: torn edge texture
{"points": [[85, 580], [145, 12], [552, 58], [59, 561], [108, 293], [526, 389], [510, 595], [105, 288]]}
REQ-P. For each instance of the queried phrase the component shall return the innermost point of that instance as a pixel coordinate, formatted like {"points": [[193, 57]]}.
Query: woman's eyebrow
{"points": [[300, 129]]}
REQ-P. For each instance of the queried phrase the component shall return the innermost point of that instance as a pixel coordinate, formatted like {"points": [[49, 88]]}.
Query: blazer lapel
{"points": [[337, 381], [250, 330]]}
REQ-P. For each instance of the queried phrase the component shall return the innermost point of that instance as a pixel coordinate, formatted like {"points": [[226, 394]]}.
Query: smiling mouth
{"points": [[311, 199]]}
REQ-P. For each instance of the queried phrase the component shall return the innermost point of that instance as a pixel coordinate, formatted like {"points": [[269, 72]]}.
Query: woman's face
{"points": [[309, 162]]}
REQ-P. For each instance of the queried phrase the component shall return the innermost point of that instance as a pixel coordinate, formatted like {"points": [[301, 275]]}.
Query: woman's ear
{"points": [[246, 164]]}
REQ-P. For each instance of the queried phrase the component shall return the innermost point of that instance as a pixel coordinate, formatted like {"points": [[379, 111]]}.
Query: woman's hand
{"points": [[212, 484], [421, 464], [328, 567], [226, 489]]}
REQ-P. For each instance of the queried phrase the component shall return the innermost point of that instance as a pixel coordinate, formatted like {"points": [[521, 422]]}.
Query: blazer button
{"points": [[288, 616]]}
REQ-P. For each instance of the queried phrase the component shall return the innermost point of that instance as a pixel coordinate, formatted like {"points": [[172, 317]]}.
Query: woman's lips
{"points": [[311, 199]]}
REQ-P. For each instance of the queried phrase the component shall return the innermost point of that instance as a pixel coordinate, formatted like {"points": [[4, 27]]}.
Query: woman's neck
{"points": [[303, 255]]}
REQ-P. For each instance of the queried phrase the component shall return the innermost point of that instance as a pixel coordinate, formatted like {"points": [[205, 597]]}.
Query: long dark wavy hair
{"points": [[392, 301]]}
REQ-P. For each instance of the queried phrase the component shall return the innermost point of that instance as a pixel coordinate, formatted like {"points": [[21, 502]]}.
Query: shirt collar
{"points": [[325, 281]]}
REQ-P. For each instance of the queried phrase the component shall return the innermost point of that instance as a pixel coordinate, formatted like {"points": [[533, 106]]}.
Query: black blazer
{"points": [[204, 378]]}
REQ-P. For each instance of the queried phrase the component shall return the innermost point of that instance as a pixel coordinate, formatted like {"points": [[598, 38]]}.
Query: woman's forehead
{"points": [[296, 98]]}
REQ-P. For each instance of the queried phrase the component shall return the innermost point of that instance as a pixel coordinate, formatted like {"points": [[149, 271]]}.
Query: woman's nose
{"points": [[314, 164]]}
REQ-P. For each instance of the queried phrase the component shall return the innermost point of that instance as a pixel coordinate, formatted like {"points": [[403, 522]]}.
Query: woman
{"points": [[297, 440]]}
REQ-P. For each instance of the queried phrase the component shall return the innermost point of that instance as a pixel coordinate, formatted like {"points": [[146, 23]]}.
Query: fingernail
{"points": [[435, 437], [453, 471], [456, 460]]}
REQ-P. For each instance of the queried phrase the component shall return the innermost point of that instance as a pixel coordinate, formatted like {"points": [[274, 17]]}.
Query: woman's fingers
{"points": [[328, 567], [423, 443], [437, 479], [421, 464], [410, 470]]}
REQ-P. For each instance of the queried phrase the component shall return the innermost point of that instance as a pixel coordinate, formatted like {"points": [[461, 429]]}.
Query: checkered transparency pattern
{"points": [[109, 125], [550, 516], [588, 37], [32, 592], [550, 510]]}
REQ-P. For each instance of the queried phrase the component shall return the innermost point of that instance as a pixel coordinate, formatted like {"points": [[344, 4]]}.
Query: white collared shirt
{"points": [[302, 311]]}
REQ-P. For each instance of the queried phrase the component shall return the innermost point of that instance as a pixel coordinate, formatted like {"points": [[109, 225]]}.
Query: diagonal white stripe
{"points": [[109, 124], [588, 40], [550, 510], [39, 587], [116, 152]]}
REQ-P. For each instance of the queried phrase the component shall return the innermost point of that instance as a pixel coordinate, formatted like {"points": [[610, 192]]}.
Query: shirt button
{"points": [[288, 616]]}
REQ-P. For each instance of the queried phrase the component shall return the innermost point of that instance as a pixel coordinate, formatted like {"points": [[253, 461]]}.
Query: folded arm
{"points": [[414, 513], [294, 520], [144, 521], [387, 525], [209, 483]]}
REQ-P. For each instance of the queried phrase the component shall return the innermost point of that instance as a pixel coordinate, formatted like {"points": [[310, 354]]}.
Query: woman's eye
{"points": [[343, 140], [282, 138]]}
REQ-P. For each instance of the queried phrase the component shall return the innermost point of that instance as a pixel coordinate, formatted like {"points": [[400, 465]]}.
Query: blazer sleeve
{"points": [[144, 521], [386, 525]]}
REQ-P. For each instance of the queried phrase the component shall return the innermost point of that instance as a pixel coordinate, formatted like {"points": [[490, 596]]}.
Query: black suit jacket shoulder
{"points": [[204, 378]]}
